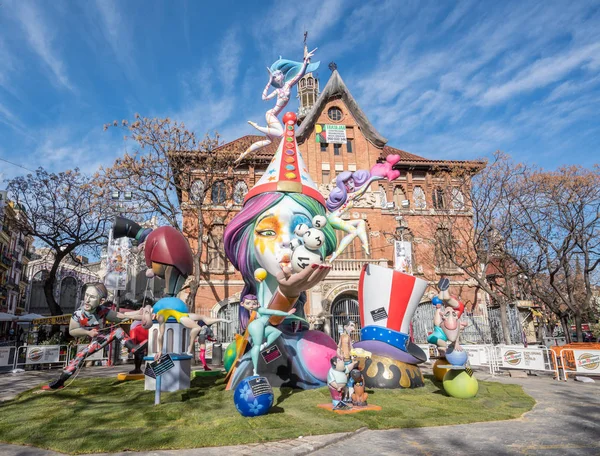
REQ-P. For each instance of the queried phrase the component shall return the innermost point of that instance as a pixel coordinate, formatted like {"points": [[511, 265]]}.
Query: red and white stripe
{"points": [[398, 293]]}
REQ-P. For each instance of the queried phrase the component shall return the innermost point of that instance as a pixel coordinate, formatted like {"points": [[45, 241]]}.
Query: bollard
{"points": [[217, 354]]}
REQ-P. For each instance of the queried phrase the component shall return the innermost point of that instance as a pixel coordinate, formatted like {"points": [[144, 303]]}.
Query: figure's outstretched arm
{"points": [[266, 91], [76, 330]]}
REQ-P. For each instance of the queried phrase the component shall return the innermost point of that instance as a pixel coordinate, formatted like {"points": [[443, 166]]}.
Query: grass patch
{"points": [[104, 415]]}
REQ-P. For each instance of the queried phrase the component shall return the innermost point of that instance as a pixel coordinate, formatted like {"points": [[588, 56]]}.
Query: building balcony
{"points": [[352, 268]]}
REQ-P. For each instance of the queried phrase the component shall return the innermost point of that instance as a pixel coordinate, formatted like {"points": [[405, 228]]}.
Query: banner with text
{"points": [[40, 354], [522, 358], [587, 361], [331, 134]]}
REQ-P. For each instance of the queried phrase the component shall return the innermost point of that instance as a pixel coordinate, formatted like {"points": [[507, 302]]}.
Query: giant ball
{"points": [[459, 384], [253, 396]]}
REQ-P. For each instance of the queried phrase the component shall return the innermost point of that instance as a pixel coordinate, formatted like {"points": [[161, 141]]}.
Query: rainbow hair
{"points": [[290, 68], [239, 238], [339, 195]]}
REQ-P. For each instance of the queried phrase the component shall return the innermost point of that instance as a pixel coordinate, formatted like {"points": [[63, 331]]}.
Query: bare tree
{"points": [[174, 176], [66, 212]]}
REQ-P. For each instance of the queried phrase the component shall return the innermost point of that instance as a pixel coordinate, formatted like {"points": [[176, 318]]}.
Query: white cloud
{"points": [[542, 73], [229, 58], [40, 36]]}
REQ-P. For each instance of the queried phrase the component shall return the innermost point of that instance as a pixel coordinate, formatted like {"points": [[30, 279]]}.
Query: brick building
{"points": [[401, 210]]}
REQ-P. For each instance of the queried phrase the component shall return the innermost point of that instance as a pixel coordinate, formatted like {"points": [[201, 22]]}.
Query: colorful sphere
{"points": [[301, 229], [457, 358], [435, 301], [303, 258], [289, 117], [313, 239], [253, 396], [315, 349], [260, 274], [459, 384], [319, 221], [439, 372], [229, 356]]}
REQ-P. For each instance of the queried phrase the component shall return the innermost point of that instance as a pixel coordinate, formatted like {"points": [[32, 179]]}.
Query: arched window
{"points": [[399, 196], [383, 194], [302, 83], [239, 192], [458, 199], [438, 198], [310, 82], [225, 332], [218, 194], [215, 251], [345, 307], [419, 198]]}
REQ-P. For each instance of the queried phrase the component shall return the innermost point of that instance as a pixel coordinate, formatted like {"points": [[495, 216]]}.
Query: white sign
{"points": [[587, 361], [522, 358], [39, 354], [116, 263], [5, 356], [335, 134], [403, 257], [93, 357]]}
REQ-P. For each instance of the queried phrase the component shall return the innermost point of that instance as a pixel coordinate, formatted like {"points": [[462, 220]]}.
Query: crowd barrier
{"points": [[581, 358], [498, 357], [27, 355]]}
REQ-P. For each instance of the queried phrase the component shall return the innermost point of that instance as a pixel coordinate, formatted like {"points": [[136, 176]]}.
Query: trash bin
{"points": [[217, 354]]}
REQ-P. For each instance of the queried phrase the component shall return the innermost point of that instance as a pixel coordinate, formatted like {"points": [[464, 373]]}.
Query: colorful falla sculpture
{"points": [[452, 368]]}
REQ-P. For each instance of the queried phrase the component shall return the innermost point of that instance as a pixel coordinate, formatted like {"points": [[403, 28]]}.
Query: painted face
{"points": [[450, 323], [250, 304], [349, 185], [339, 365], [278, 78], [91, 300], [350, 327], [274, 231]]}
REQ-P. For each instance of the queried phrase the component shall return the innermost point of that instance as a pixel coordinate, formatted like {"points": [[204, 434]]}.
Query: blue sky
{"points": [[454, 80]]}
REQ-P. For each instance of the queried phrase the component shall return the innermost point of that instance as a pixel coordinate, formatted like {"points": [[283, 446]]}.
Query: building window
{"points": [[399, 196], [444, 250], [325, 176], [218, 194], [349, 146], [335, 114], [226, 332], [438, 198], [324, 147], [419, 198], [215, 250], [383, 194], [239, 192], [302, 83], [458, 199], [197, 191], [337, 149]]}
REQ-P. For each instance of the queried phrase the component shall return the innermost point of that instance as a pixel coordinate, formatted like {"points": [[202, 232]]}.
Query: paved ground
{"points": [[565, 421]]}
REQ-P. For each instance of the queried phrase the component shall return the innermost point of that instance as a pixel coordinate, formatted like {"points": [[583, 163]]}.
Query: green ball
{"points": [[458, 383], [229, 356]]}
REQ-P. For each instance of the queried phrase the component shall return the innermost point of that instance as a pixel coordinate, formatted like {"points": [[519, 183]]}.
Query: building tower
{"points": [[308, 92]]}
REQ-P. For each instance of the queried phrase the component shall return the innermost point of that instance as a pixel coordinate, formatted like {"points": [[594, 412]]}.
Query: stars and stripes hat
{"points": [[287, 171]]}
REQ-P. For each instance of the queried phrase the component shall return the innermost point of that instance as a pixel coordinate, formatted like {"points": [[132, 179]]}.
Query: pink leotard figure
{"points": [[283, 75]]}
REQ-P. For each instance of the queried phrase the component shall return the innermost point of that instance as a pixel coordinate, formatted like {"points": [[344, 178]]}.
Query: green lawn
{"points": [[104, 415]]}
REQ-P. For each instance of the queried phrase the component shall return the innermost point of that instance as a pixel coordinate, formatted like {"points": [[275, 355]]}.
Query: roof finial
{"points": [[333, 66]]}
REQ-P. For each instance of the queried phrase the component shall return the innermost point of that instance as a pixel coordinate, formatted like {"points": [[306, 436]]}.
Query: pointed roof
{"points": [[336, 87]]}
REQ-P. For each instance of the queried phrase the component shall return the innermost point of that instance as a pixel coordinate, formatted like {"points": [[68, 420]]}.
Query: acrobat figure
{"points": [[359, 395], [262, 333], [446, 320], [176, 308], [88, 321], [337, 380], [350, 187], [283, 75], [345, 347]]}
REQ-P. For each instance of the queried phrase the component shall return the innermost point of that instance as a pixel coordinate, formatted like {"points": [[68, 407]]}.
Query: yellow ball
{"points": [[458, 383], [438, 372], [260, 274]]}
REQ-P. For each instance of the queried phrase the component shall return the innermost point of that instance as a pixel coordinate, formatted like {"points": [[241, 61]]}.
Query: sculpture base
{"points": [[354, 409], [126, 377], [175, 379], [384, 372]]}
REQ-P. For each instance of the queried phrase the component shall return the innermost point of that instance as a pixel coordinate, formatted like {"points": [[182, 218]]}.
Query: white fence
{"points": [[497, 357], [581, 361]]}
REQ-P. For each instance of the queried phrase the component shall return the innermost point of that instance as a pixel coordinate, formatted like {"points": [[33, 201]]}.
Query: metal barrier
{"points": [[27, 355], [582, 361], [7, 357]]}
